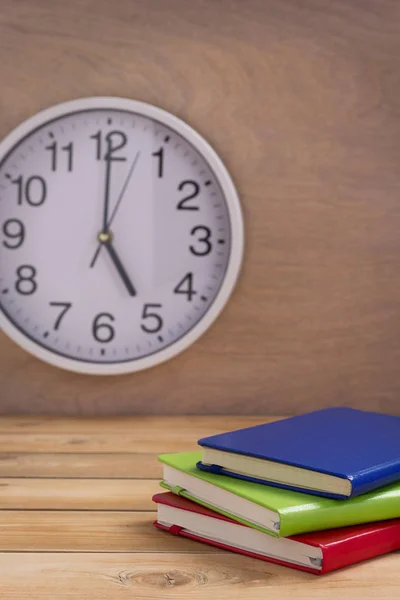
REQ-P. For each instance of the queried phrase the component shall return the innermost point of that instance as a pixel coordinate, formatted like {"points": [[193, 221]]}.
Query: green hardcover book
{"points": [[275, 511]]}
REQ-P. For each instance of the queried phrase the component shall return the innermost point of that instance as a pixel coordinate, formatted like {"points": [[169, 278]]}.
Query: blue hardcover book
{"points": [[336, 452]]}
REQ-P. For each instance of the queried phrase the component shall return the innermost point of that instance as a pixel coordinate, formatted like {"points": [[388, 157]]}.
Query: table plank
{"points": [[136, 435], [78, 531], [82, 494], [145, 441], [146, 576], [126, 424], [107, 466], [149, 435]]}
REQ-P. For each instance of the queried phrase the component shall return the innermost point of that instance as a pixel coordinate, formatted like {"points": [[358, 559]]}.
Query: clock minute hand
{"points": [[106, 195], [120, 267], [120, 197]]}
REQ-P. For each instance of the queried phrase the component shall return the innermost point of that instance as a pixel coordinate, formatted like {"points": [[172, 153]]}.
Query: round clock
{"points": [[121, 235]]}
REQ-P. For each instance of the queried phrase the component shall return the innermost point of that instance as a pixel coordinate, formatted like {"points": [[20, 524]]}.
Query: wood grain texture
{"points": [[140, 438], [159, 429], [82, 494], [78, 531], [113, 443], [301, 100], [97, 466], [114, 448], [181, 576]]}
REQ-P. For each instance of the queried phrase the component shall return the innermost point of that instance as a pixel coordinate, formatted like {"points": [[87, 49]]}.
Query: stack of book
{"points": [[315, 492]]}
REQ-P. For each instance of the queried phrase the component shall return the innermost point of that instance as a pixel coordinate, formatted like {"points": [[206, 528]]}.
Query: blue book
{"points": [[336, 452]]}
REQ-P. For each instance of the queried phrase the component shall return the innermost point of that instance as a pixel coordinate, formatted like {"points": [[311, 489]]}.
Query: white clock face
{"points": [[120, 235]]}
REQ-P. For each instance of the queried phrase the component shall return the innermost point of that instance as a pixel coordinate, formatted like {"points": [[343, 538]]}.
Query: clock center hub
{"points": [[105, 236]]}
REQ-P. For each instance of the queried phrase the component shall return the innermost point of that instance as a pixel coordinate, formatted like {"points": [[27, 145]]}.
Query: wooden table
{"points": [[76, 521]]}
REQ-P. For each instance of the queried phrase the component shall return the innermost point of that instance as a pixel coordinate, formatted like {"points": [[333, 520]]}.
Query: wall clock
{"points": [[121, 235]]}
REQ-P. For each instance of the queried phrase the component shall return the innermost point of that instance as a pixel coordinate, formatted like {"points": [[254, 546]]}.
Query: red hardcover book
{"points": [[318, 552]]}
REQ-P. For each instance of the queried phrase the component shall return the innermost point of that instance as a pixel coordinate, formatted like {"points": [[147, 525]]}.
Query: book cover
{"points": [[339, 547], [355, 445], [296, 512]]}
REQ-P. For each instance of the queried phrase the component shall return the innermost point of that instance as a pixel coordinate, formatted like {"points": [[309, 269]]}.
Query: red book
{"points": [[318, 552]]}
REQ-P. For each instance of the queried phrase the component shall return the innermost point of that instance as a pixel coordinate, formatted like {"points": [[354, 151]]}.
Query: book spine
{"points": [[366, 481], [340, 513], [360, 548]]}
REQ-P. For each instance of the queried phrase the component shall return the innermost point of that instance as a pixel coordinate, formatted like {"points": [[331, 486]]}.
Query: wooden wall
{"points": [[302, 100]]}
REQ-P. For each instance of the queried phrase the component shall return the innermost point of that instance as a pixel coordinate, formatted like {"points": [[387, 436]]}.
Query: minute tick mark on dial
{"points": [[160, 338], [204, 298], [166, 139], [208, 182]]}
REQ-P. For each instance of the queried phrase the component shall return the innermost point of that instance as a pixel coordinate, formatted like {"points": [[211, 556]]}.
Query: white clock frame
{"points": [[236, 224]]}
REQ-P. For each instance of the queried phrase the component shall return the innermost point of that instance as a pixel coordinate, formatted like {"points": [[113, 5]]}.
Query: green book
{"points": [[278, 512]]}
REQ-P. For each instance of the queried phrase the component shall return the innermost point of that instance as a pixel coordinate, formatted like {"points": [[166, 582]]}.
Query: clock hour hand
{"points": [[120, 267]]}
